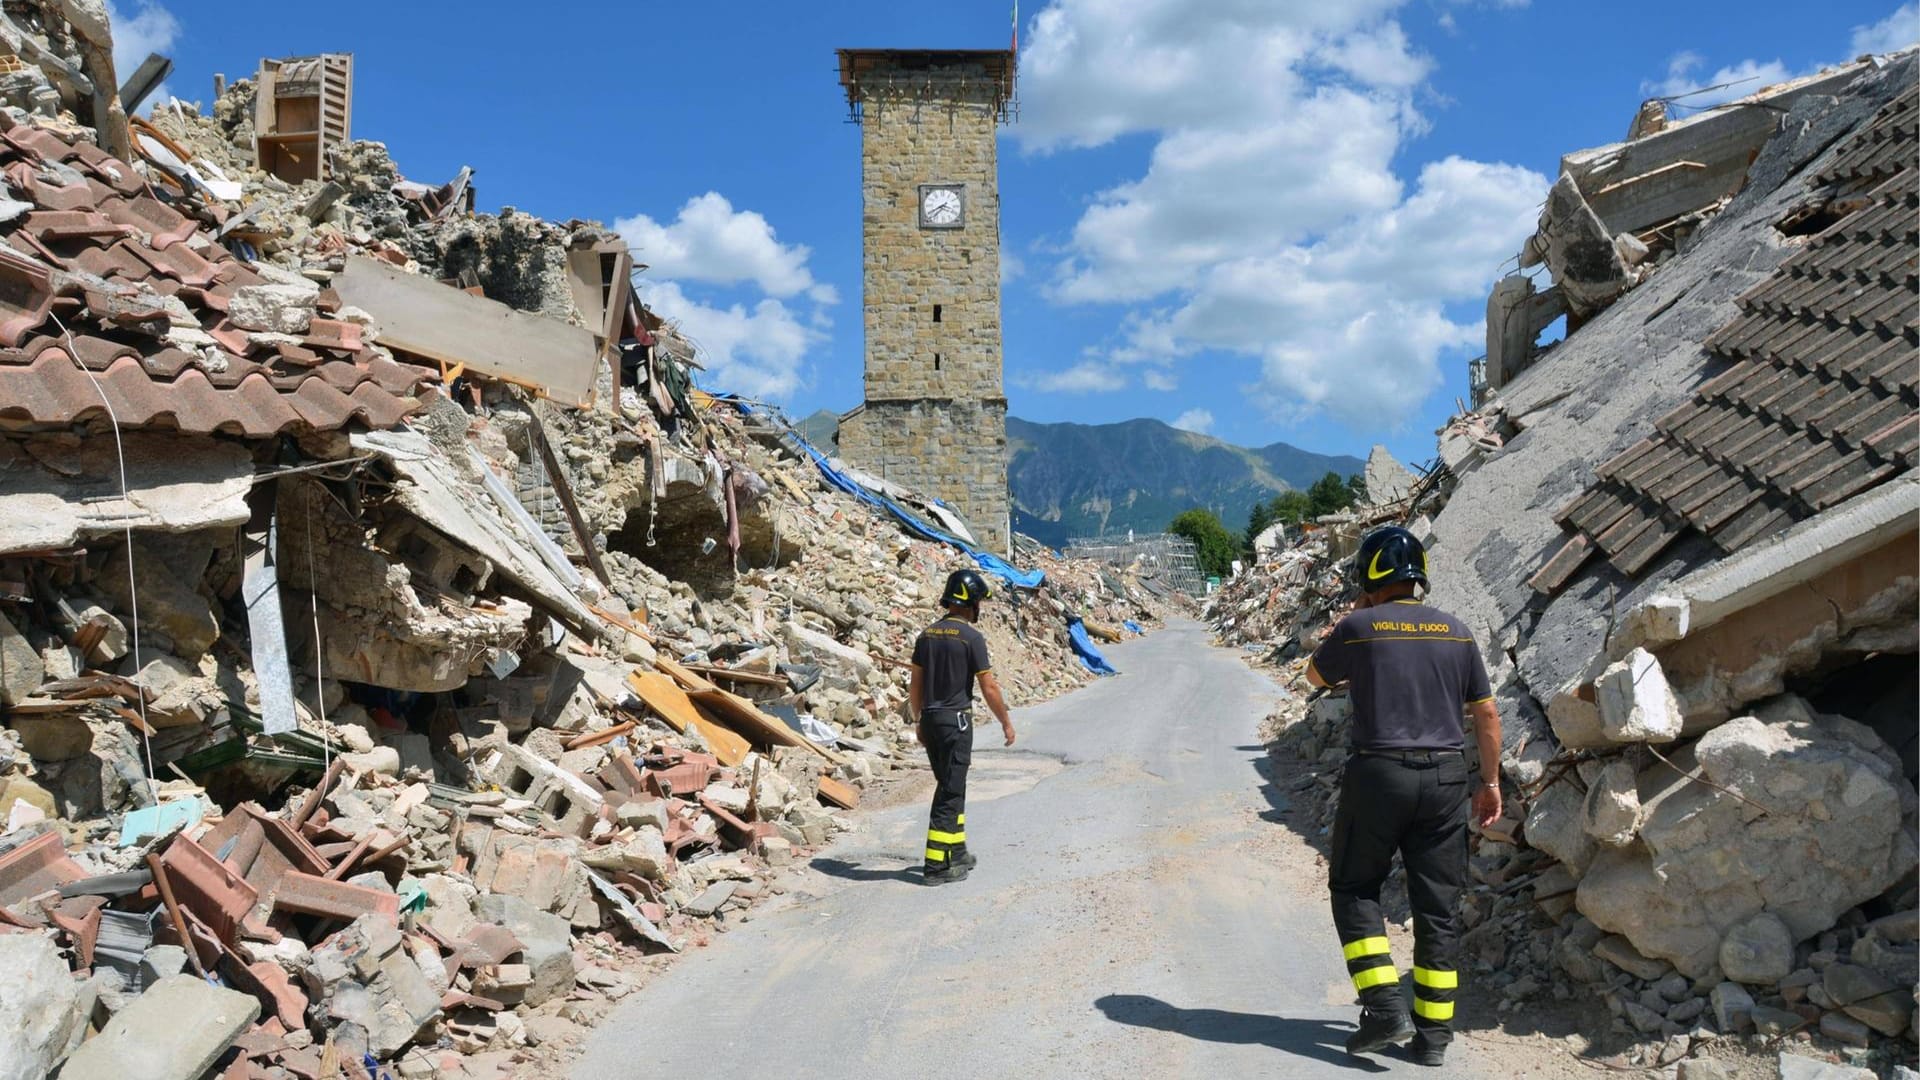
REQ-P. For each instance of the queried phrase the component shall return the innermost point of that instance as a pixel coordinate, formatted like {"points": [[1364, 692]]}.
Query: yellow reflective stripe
{"points": [[1375, 976], [936, 856], [1367, 946], [1432, 1010], [939, 837], [1439, 980], [961, 821]]}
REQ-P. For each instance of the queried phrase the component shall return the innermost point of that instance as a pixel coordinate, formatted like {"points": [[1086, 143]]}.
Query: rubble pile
{"points": [[374, 693], [1698, 602]]}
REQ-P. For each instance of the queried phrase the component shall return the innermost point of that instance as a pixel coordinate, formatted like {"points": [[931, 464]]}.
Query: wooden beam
{"points": [[421, 316]]}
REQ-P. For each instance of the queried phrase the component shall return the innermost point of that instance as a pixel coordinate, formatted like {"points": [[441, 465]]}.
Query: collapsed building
{"points": [[1687, 536], [393, 638]]}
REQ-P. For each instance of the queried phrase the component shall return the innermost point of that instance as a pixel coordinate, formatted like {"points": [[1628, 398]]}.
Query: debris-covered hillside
{"points": [[394, 641], [1686, 535]]}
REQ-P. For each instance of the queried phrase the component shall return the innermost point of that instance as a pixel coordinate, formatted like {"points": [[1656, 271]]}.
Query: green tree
{"points": [[1290, 507], [1215, 543], [1329, 494], [1257, 522]]}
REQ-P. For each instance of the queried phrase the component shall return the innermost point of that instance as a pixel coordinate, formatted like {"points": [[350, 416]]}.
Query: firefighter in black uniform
{"points": [[1410, 670], [948, 658]]}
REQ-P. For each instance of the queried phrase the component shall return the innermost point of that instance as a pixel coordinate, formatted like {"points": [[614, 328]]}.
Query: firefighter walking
{"points": [[1410, 669], [949, 657]]}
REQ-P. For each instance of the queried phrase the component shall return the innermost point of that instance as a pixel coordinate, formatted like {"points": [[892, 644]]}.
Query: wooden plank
{"points": [[666, 699], [422, 316], [681, 675], [839, 793], [757, 678], [729, 747], [741, 715]]}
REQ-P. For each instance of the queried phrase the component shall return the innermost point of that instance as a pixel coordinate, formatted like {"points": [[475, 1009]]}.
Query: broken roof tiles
{"points": [[101, 255], [1818, 402]]}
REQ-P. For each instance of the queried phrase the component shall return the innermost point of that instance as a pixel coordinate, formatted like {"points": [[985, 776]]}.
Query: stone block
{"points": [[41, 1004], [1708, 861], [545, 873], [1555, 825], [274, 309], [644, 853], [1576, 721], [1618, 951], [1758, 952], [363, 975], [1611, 814], [1798, 1067], [1869, 997], [1636, 702], [1732, 1007], [546, 946], [168, 570], [21, 668], [174, 1031]]}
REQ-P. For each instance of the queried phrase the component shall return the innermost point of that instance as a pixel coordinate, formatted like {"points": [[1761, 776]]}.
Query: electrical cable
{"points": [[319, 670], [133, 587]]}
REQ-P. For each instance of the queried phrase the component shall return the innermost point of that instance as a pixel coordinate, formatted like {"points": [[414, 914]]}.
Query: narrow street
{"points": [[1138, 911]]}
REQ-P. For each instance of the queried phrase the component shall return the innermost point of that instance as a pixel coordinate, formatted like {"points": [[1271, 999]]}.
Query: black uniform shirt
{"points": [[949, 654], [1410, 668]]}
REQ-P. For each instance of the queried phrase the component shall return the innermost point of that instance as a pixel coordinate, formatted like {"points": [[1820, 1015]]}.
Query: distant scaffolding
{"points": [[1171, 559]]}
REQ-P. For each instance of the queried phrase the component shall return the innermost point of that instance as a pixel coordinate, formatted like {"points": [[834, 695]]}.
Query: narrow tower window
{"points": [[936, 313], [936, 361]]}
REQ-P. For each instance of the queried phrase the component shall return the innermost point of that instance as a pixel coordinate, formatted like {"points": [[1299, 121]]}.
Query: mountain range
{"points": [[1071, 480]]}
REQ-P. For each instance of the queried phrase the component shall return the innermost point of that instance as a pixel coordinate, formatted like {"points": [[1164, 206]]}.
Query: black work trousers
{"points": [[1415, 804], [948, 736]]}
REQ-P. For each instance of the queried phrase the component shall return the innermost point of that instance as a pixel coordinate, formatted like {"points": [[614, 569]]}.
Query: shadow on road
{"points": [[850, 871], [1320, 1040], [1278, 805]]}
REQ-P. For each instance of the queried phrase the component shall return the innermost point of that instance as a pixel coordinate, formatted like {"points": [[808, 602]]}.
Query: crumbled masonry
{"points": [[1686, 536], [416, 689]]}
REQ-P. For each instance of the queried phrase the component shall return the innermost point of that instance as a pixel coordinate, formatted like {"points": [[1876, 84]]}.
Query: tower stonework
{"points": [[935, 411]]}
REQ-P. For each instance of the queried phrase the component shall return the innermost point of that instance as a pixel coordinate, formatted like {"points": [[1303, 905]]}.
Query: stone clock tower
{"points": [[935, 412]]}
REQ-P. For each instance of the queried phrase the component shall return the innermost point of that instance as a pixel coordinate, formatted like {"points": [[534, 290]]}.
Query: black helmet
{"points": [[965, 587], [1387, 555]]}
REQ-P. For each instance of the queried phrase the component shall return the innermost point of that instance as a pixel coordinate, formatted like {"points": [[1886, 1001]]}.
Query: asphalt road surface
{"points": [[1138, 911]]}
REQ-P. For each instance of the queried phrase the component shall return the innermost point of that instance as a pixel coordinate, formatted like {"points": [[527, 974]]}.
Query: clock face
{"points": [[941, 206]]}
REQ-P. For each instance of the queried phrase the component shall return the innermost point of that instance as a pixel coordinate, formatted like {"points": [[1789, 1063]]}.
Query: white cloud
{"points": [[1086, 377], [1269, 221], [712, 242], [1897, 31], [1011, 266], [757, 340], [1198, 421], [756, 351], [150, 29]]}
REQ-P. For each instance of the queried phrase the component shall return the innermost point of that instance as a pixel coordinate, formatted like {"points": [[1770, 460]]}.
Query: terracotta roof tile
{"points": [[1818, 402], [100, 252]]}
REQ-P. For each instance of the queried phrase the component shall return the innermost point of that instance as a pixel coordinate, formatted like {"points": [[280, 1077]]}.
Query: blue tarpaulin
{"points": [[1132, 627], [1083, 648], [991, 563]]}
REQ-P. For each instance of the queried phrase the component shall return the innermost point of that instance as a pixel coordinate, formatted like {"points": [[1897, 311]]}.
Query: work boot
{"points": [[1426, 1053], [1380, 1027], [952, 873], [963, 860]]}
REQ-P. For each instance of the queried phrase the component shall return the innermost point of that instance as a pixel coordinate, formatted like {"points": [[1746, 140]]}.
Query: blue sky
{"points": [[1273, 220]]}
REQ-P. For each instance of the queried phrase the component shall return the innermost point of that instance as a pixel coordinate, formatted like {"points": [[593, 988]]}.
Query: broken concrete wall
{"points": [[1591, 397], [1793, 814]]}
